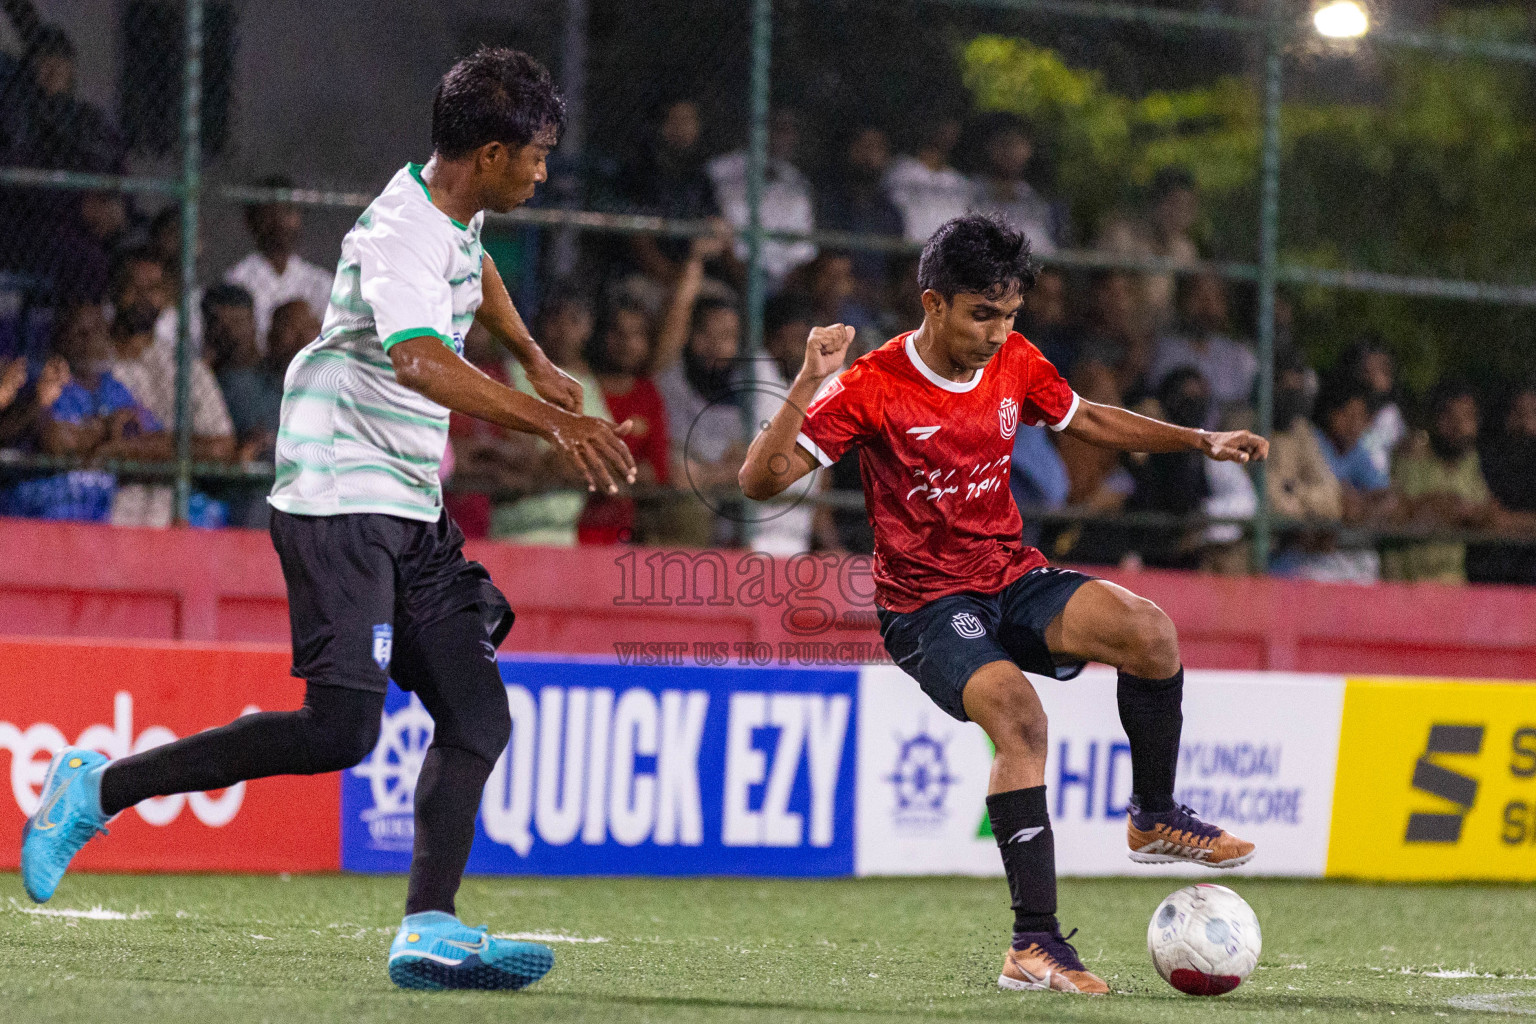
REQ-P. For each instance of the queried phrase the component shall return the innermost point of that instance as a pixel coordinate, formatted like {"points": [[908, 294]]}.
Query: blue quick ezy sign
{"points": [[632, 770]]}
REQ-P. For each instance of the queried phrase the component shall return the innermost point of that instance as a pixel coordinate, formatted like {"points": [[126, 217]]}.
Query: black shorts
{"points": [[360, 583], [944, 642]]}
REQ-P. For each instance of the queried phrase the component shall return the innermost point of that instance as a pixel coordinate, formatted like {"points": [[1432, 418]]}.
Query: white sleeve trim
{"points": [[1072, 411], [813, 448]]}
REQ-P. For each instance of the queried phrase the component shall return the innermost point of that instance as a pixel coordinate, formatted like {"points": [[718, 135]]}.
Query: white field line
{"points": [[96, 913]]}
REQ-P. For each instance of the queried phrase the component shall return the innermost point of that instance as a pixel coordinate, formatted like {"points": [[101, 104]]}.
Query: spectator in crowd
{"points": [[1509, 464], [668, 179], [252, 393], [1439, 480], [45, 123], [697, 349], [86, 413], [1340, 419], [1037, 477], [23, 402], [925, 186], [1002, 189], [1163, 232], [1115, 334], [853, 198], [252, 382], [1229, 367], [620, 354], [139, 279], [275, 273], [828, 283], [1300, 483], [1182, 484], [787, 322], [148, 371], [548, 512], [1372, 365], [1044, 321], [786, 201], [488, 461]]}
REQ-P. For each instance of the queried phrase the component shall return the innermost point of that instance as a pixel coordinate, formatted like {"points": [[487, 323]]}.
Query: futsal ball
{"points": [[1204, 940]]}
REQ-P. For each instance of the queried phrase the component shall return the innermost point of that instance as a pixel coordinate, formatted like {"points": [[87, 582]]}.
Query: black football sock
{"points": [[335, 729], [1152, 716], [1022, 829], [447, 797]]}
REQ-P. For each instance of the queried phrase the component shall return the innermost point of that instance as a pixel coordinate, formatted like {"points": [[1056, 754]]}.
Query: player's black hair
{"points": [[225, 295], [495, 94], [977, 253]]}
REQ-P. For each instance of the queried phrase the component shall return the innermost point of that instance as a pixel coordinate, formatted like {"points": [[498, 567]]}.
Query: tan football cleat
{"points": [[1048, 964], [1180, 837]]}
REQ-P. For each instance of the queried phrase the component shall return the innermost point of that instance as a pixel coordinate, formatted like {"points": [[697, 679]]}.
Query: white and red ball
{"points": [[1204, 940]]}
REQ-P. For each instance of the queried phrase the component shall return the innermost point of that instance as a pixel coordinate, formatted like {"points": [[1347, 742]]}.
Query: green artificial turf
{"points": [[215, 948]]}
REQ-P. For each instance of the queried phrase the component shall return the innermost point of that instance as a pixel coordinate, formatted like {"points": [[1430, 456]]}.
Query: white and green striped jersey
{"points": [[352, 437]]}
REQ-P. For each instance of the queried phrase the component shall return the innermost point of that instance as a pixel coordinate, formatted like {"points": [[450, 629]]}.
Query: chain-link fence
{"points": [[1315, 200]]}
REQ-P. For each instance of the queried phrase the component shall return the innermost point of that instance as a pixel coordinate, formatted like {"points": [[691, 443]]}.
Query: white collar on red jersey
{"points": [[933, 378]]}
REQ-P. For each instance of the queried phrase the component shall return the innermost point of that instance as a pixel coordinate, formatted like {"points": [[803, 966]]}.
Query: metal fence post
{"points": [[1269, 244], [191, 187], [757, 170]]}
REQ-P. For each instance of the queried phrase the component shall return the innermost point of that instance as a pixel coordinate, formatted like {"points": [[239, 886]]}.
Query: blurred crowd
{"points": [[653, 327]]}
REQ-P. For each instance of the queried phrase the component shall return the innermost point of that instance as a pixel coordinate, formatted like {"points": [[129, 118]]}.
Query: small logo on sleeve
{"points": [[383, 644], [1008, 417], [968, 625]]}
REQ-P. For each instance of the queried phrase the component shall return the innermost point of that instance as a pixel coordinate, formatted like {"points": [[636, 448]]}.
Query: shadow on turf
{"points": [[1051, 1007]]}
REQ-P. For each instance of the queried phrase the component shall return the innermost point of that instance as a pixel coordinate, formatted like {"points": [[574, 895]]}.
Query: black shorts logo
{"points": [[968, 625]]}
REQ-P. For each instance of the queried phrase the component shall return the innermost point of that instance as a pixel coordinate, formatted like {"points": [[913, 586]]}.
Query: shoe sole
{"points": [[1168, 858], [517, 971], [1023, 985]]}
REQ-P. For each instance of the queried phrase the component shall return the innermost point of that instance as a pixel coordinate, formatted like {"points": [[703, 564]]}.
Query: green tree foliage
{"points": [[1434, 176]]}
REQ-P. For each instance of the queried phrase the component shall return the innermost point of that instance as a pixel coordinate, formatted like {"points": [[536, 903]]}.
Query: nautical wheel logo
{"points": [[391, 771], [922, 781]]}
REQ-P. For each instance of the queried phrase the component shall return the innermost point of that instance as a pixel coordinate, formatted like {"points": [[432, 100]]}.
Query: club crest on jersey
{"points": [[968, 625], [1008, 417], [383, 644]]}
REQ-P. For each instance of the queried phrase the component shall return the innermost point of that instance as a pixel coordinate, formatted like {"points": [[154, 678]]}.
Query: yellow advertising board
{"points": [[1436, 780]]}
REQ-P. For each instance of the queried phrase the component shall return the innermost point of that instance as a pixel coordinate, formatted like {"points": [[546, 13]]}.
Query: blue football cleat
{"points": [[67, 817], [434, 950]]}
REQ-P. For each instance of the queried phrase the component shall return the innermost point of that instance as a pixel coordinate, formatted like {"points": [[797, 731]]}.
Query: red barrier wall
{"points": [[122, 698], [59, 579]]}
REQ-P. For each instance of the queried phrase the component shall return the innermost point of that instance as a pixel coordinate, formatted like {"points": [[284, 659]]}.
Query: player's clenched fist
{"points": [[825, 349]]}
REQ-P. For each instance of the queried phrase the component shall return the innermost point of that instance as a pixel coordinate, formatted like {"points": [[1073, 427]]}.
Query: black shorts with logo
{"points": [[944, 642], [359, 585]]}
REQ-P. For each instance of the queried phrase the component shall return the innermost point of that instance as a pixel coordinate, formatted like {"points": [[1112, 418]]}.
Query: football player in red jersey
{"points": [[965, 607]]}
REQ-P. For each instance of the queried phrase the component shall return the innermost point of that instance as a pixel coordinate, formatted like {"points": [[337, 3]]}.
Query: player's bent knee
{"points": [[1154, 642]]}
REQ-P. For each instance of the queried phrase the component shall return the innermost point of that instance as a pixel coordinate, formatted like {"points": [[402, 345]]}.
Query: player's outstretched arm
{"points": [[1108, 426], [499, 316], [775, 461], [592, 445]]}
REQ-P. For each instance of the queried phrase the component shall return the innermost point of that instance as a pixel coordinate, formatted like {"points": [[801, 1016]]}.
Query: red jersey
{"points": [[935, 457]]}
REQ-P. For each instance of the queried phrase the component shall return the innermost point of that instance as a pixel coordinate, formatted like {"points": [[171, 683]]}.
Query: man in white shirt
{"points": [[275, 274], [925, 188], [786, 201]]}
